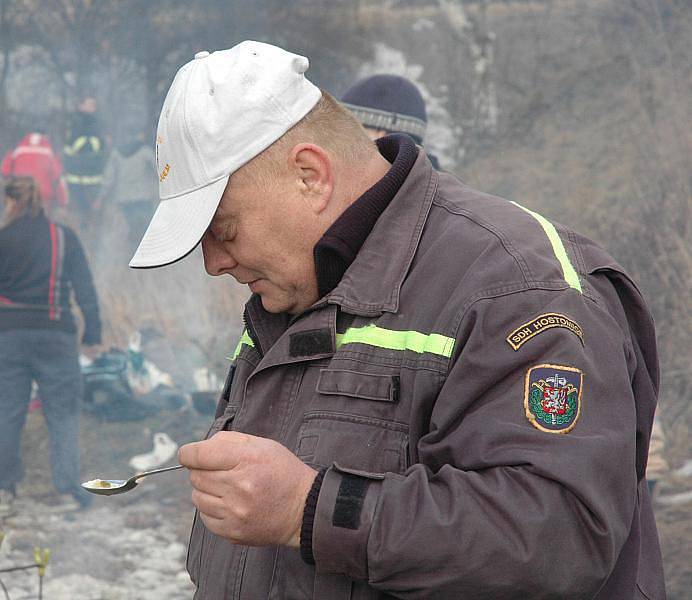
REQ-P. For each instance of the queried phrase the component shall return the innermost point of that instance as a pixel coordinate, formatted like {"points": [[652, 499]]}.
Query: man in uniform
{"points": [[85, 158], [438, 394]]}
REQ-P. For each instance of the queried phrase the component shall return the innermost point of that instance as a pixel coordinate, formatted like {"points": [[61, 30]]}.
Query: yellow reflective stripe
{"points": [[79, 143], [568, 271], [84, 179], [372, 335], [244, 339], [95, 144], [76, 146]]}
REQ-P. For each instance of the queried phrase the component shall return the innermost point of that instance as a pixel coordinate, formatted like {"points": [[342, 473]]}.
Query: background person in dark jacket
{"points": [[85, 157], [41, 263]]}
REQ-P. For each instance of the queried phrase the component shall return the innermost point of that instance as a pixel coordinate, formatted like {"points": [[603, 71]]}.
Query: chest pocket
{"points": [[354, 423], [368, 386]]}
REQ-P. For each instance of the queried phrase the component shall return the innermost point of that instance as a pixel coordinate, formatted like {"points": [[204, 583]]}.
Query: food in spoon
{"points": [[97, 483], [108, 487]]}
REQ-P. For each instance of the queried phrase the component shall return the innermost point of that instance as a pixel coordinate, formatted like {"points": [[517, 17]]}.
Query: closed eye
{"points": [[224, 232]]}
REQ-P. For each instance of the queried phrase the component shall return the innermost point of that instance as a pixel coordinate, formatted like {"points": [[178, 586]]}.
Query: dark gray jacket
{"points": [[481, 385]]}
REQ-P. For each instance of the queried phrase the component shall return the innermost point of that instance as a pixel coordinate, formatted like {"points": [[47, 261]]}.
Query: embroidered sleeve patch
{"points": [[525, 332], [552, 397]]}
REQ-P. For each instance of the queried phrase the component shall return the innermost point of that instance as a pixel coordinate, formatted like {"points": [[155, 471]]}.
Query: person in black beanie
{"points": [[387, 104]]}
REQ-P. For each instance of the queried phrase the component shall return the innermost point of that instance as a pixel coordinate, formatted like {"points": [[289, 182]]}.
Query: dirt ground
{"points": [[132, 547], [129, 547]]}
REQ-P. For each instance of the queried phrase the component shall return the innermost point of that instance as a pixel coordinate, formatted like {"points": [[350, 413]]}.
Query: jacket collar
{"points": [[372, 283], [340, 244]]}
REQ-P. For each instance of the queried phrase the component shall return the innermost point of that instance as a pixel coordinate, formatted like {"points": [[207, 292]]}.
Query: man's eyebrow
{"points": [[223, 228]]}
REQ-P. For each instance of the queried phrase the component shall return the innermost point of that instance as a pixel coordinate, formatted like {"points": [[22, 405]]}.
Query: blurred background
{"points": [[579, 109]]}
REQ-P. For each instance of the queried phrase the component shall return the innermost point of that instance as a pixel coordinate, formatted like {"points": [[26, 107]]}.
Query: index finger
{"points": [[219, 453]]}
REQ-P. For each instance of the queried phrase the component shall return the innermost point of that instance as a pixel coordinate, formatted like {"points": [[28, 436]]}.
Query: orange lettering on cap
{"points": [[165, 172]]}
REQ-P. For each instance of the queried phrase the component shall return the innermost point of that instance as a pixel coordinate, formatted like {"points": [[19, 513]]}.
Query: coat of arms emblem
{"points": [[552, 398]]}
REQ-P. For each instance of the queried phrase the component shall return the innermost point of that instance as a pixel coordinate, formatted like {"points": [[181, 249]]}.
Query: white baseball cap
{"points": [[221, 111]]}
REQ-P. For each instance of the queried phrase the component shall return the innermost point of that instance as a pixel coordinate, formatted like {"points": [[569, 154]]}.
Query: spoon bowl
{"points": [[110, 487]]}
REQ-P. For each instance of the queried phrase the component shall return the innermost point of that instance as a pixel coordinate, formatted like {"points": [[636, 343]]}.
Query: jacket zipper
{"points": [[251, 332]]}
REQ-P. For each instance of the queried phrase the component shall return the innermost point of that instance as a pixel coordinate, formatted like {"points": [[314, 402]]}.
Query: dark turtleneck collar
{"points": [[340, 244]]}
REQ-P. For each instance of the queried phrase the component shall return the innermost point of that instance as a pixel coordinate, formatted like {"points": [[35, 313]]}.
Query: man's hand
{"points": [[248, 489]]}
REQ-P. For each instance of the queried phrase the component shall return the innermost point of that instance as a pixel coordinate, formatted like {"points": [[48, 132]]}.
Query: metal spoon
{"points": [[108, 487]]}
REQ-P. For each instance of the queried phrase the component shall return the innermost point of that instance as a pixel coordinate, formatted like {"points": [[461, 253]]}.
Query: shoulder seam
{"points": [[581, 263], [506, 243], [500, 291]]}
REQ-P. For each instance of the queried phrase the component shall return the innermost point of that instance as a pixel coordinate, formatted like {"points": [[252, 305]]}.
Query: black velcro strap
{"points": [[349, 501], [311, 342]]}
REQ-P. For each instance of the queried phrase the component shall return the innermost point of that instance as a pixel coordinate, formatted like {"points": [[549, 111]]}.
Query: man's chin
{"points": [[272, 305], [279, 305]]}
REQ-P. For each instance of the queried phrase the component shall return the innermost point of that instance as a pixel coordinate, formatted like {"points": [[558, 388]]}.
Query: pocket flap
{"points": [[357, 472], [222, 423], [369, 386]]}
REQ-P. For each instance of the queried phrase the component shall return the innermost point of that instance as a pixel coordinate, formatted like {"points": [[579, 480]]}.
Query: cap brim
{"points": [[178, 226]]}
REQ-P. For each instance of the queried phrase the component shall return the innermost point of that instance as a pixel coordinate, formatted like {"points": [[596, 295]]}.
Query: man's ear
{"points": [[313, 169]]}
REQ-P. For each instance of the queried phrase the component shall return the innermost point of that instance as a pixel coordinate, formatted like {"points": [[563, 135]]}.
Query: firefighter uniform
{"points": [[85, 160], [477, 390]]}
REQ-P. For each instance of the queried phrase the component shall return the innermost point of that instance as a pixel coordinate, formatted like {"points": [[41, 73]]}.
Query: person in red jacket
{"points": [[34, 157]]}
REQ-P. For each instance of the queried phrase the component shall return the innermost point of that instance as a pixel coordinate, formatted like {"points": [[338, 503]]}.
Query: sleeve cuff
{"points": [[309, 519], [343, 517]]}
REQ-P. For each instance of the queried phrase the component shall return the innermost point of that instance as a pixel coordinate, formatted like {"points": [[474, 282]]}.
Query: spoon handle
{"points": [[145, 473]]}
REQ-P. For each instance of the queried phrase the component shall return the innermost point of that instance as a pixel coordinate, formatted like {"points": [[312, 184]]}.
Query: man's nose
{"points": [[217, 259]]}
